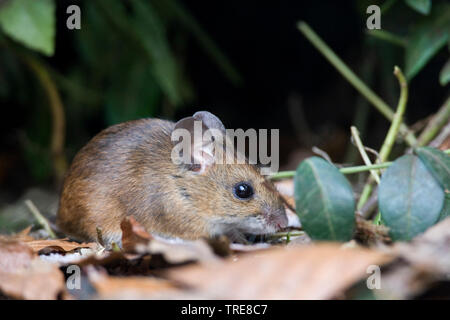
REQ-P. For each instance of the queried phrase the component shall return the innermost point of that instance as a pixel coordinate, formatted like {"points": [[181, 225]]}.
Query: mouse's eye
{"points": [[243, 190]]}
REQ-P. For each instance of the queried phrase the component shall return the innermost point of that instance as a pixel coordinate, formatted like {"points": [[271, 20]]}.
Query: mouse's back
{"points": [[106, 175]]}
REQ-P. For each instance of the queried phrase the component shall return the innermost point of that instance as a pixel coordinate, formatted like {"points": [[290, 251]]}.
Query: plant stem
{"points": [[362, 151], [40, 218], [441, 137], [391, 135], [435, 125], [396, 122], [287, 234], [388, 37], [358, 169], [347, 170], [365, 194], [282, 175], [351, 77], [115, 247]]}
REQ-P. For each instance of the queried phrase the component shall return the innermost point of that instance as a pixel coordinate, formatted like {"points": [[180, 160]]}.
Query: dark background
{"points": [[279, 69]]}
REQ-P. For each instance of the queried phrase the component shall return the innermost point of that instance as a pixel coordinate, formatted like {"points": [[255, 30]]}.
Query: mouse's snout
{"points": [[277, 217]]}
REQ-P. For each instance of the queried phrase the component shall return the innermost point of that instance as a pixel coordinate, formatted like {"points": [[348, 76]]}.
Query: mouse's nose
{"points": [[277, 217], [282, 220]]}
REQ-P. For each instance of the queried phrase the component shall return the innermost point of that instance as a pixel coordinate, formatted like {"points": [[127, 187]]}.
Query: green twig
{"points": [[365, 194], [115, 247], [391, 135], [287, 234], [441, 137], [282, 175], [358, 169], [362, 151], [351, 77], [396, 122], [388, 37], [435, 125], [40, 218], [347, 170]]}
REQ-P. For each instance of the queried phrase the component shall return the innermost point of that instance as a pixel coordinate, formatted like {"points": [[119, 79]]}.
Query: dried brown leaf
{"points": [[58, 245], [319, 271], [133, 234], [133, 287], [135, 239], [39, 281], [420, 264], [14, 255], [24, 276], [50, 245]]}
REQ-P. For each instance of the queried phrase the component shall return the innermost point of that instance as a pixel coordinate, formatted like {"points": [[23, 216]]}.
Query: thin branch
{"points": [[435, 125], [391, 135], [362, 151], [321, 153], [287, 234], [40, 218], [388, 37], [351, 77], [346, 170], [439, 140], [396, 122], [369, 206]]}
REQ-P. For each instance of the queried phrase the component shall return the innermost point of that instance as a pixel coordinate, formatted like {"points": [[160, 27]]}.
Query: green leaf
{"points": [[324, 201], [446, 209], [409, 197], [427, 39], [31, 23], [444, 75], [437, 162], [421, 6]]}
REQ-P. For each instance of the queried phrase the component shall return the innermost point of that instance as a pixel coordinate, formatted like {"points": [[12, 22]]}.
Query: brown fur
{"points": [[126, 170]]}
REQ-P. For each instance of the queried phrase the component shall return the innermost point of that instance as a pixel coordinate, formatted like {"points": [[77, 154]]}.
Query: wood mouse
{"points": [[127, 170]]}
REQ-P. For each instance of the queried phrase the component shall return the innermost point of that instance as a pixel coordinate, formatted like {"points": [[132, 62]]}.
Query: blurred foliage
{"points": [[31, 23], [422, 6], [129, 61], [428, 36], [418, 28], [125, 63], [412, 33]]}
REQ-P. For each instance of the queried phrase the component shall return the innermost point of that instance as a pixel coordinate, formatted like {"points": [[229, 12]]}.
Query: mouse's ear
{"points": [[209, 120], [197, 149]]}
